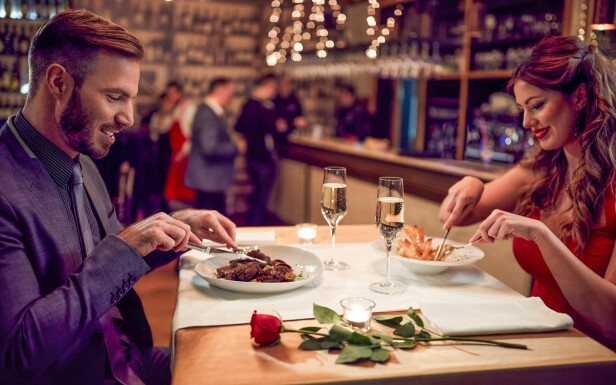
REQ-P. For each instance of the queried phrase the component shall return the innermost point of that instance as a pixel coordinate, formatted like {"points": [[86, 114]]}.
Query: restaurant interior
{"points": [[430, 77]]}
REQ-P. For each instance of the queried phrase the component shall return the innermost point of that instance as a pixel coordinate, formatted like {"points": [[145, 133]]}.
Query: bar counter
{"points": [[426, 178]]}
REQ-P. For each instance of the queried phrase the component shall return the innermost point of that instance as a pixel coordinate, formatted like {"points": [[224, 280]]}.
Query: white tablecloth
{"points": [[198, 304]]}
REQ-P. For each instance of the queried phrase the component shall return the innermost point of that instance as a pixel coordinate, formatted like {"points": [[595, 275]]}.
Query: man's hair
{"points": [[217, 83], [72, 39], [266, 78], [176, 84], [348, 88]]}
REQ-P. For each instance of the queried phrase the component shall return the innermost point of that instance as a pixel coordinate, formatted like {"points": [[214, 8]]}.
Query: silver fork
{"points": [[454, 248]]}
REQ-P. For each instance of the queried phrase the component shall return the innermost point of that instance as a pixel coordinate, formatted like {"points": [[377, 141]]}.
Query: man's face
{"points": [[226, 94], [102, 106]]}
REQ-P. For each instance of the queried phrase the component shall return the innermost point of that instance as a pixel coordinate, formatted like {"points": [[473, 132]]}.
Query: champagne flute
{"points": [[389, 222], [334, 208]]}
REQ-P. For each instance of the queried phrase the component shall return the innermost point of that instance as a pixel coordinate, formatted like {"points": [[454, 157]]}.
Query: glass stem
{"points": [[388, 243], [332, 230]]}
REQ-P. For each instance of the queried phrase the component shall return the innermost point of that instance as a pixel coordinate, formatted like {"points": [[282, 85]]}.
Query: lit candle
{"points": [[358, 312], [306, 232]]}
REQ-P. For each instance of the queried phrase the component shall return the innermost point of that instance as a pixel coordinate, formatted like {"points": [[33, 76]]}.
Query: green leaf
{"points": [[391, 321], [388, 317], [423, 336], [405, 345], [379, 355], [407, 330], [415, 317], [328, 344], [311, 345], [339, 333], [311, 329], [325, 315], [361, 339], [385, 338], [353, 353]]}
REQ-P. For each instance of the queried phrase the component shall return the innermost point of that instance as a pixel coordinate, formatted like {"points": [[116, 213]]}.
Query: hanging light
{"points": [[604, 17]]}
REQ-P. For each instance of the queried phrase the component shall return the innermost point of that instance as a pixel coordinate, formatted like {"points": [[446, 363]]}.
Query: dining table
{"points": [[212, 344]]}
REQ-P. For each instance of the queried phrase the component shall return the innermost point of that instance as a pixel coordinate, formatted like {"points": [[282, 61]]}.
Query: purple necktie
{"points": [[117, 360]]}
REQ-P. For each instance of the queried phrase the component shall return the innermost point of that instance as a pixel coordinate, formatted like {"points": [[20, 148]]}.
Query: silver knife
{"points": [[215, 250]]}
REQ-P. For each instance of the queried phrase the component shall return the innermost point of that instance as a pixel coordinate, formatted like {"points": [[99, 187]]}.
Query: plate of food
{"points": [[417, 252], [284, 268]]}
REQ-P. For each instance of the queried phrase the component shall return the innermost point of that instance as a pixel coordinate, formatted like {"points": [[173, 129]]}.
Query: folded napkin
{"points": [[247, 238], [494, 317]]}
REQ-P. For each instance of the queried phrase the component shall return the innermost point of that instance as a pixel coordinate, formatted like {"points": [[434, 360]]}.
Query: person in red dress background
{"points": [[558, 203], [176, 120]]}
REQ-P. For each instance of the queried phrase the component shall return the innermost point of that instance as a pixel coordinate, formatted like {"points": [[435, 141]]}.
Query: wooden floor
{"points": [[158, 292]]}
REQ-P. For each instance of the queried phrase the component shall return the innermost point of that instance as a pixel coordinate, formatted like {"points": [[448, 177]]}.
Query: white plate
{"points": [[302, 261], [466, 256]]}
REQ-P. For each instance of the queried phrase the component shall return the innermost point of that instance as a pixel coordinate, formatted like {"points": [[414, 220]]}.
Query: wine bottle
{"points": [[2, 9], [23, 42], [31, 10], [15, 10]]}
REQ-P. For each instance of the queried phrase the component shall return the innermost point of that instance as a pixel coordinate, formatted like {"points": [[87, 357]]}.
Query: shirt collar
{"points": [[58, 164], [213, 104]]}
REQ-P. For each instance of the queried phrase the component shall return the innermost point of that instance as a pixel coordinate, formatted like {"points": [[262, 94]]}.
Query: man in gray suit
{"points": [[69, 315], [211, 162]]}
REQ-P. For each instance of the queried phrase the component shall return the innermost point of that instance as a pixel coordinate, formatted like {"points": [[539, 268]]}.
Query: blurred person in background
{"points": [[175, 119], [211, 169], [289, 113], [352, 120], [257, 123]]}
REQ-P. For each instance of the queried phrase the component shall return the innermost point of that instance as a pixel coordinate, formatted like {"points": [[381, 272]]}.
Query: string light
{"points": [[308, 22]]}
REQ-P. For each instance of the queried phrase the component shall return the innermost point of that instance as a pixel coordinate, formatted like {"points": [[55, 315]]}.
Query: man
{"points": [[257, 122], [69, 314], [289, 114], [211, 162], [353, 121]]}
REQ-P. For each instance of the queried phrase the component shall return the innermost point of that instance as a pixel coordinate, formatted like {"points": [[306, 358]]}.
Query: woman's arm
{"points": [[470, 201], [591, 295]]}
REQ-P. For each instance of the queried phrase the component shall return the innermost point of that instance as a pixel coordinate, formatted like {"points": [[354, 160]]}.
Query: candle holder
{"points": [[358, 312], [306, 232]]}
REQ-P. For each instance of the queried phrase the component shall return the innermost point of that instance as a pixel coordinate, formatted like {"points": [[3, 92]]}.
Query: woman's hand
{"points": [[502, 225], [460, 201]]}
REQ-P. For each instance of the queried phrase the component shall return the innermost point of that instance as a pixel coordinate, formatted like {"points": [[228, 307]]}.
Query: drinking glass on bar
{"points": [[334, 208], [389, 222]]}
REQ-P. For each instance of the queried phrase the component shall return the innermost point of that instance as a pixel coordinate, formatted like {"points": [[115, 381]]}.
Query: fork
{"points": [[240, 252], [454, 248]]}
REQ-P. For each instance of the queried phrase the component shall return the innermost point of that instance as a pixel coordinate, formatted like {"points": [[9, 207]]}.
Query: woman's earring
{"points": [[577, 128]]}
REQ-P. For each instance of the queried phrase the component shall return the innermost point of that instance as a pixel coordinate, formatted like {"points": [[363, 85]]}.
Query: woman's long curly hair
{"points": [[562, 64]]}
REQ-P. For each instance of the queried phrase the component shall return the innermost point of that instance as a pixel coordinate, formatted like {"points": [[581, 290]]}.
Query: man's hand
{"points": [[158, 232], [208, 224]]}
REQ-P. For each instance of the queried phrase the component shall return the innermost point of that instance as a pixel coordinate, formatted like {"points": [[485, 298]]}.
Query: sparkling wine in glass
{"points": [[389, 222], [334, 208]]}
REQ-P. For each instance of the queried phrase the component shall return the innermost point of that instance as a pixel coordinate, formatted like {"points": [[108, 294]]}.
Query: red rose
{"points": [[265, 328]]}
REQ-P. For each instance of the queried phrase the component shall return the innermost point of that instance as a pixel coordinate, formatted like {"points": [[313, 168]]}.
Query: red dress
{"points": [[596, 256], [175, 188]]}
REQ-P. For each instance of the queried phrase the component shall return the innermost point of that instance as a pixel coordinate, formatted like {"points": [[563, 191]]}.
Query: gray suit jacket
{"points": [[212, 155], [51, 299]]}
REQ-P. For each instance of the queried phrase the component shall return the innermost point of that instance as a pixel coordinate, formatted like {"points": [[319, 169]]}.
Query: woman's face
{"points": [[550, 114]]}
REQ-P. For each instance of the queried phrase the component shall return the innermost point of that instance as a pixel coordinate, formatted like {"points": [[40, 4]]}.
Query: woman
{"points": [[558, 203]]}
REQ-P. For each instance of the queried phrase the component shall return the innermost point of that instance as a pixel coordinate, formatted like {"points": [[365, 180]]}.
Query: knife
{"points": [[211, 250]]}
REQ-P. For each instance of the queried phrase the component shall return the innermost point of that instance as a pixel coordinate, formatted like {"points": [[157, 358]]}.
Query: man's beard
{"points": [[76, 126]]}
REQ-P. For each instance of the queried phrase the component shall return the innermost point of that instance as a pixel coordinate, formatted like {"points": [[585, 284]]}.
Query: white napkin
{"points": [[493, 317], [247, 238]]}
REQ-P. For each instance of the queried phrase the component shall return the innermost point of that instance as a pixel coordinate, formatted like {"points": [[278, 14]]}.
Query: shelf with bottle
{"points": [[508, 34], [15, 37], [31, 9]]}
